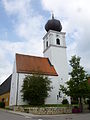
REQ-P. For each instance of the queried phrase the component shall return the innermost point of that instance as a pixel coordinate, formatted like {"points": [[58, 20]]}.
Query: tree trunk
{"points": [[81, 105]]}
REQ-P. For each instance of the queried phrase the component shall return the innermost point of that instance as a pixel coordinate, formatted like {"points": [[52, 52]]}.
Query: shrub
{"points": [[35, 89], [2, 104], [65, 101]]}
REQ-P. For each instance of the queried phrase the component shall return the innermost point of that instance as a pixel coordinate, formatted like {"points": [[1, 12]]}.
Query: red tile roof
{"points": [[33, 64]]}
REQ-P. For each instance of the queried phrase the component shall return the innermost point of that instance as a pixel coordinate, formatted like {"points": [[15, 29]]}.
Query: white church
{"points": [[53, 64]]}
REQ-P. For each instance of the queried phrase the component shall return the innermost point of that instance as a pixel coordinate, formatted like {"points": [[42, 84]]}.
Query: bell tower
{"points": [[55, 49]]}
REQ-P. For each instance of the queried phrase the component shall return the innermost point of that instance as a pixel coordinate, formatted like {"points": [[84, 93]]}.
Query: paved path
{"points": [[4, 115], [10, 115]]}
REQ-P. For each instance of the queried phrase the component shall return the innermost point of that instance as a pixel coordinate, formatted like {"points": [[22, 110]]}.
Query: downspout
{"points": [[17, 89]]}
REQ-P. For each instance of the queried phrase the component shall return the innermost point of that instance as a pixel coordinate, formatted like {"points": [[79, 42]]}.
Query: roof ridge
{"points": [[32, 56]]}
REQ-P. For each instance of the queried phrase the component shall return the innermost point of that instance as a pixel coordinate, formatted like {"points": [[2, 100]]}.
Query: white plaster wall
{"points": [[19, 77], [59, 60], [15, 94], [57, 56], [13, 89], [51, 37], [20, 83], [52, 99]]}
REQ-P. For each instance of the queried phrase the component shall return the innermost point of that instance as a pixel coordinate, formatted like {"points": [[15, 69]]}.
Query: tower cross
{"points": [[52, 14]]}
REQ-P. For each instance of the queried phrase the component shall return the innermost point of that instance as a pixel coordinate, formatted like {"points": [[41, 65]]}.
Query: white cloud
{"points": [[75, 16], [27, 25], [5, 65], [8, 50], [18, 7]]}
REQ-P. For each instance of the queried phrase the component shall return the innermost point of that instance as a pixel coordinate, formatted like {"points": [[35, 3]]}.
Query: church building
{"points": [[53, 64]]}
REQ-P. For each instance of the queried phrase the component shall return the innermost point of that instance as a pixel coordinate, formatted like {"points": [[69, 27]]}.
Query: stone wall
{"points": [[44, 110]]}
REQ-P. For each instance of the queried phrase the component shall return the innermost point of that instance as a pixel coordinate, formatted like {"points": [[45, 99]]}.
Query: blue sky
{"points": [[22, 29]]}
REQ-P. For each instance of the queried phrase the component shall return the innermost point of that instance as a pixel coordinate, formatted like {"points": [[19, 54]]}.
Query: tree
{"points": [[88, 92], [77, 86], [35, 89]]}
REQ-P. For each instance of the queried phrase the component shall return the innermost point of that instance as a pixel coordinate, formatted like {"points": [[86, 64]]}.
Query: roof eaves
{"points": [[28, 72]]}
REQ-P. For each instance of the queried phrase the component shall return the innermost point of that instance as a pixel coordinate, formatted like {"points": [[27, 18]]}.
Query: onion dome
{"points": [[53, 24]]}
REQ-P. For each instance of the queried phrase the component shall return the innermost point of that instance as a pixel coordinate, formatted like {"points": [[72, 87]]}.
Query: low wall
{"points": [[44, 110]]}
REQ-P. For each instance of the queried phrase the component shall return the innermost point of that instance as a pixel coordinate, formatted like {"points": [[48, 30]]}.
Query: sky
{"points": [[22, 29]]}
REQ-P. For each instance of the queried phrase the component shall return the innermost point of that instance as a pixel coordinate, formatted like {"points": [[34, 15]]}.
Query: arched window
{"points": [[46, 44], [58, 41]]}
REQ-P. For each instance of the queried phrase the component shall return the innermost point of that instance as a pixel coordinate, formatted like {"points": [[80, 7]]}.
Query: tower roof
{"points": [[53, 24]]}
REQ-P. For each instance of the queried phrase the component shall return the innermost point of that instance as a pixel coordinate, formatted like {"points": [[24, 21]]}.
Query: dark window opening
{"points": [[59, 94], [47, 44], [57, 41]]}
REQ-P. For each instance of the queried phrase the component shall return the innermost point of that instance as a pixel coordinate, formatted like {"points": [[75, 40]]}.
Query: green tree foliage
{"points": [[35, 89], [88, 92], [65, 101], [77, 86]]}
